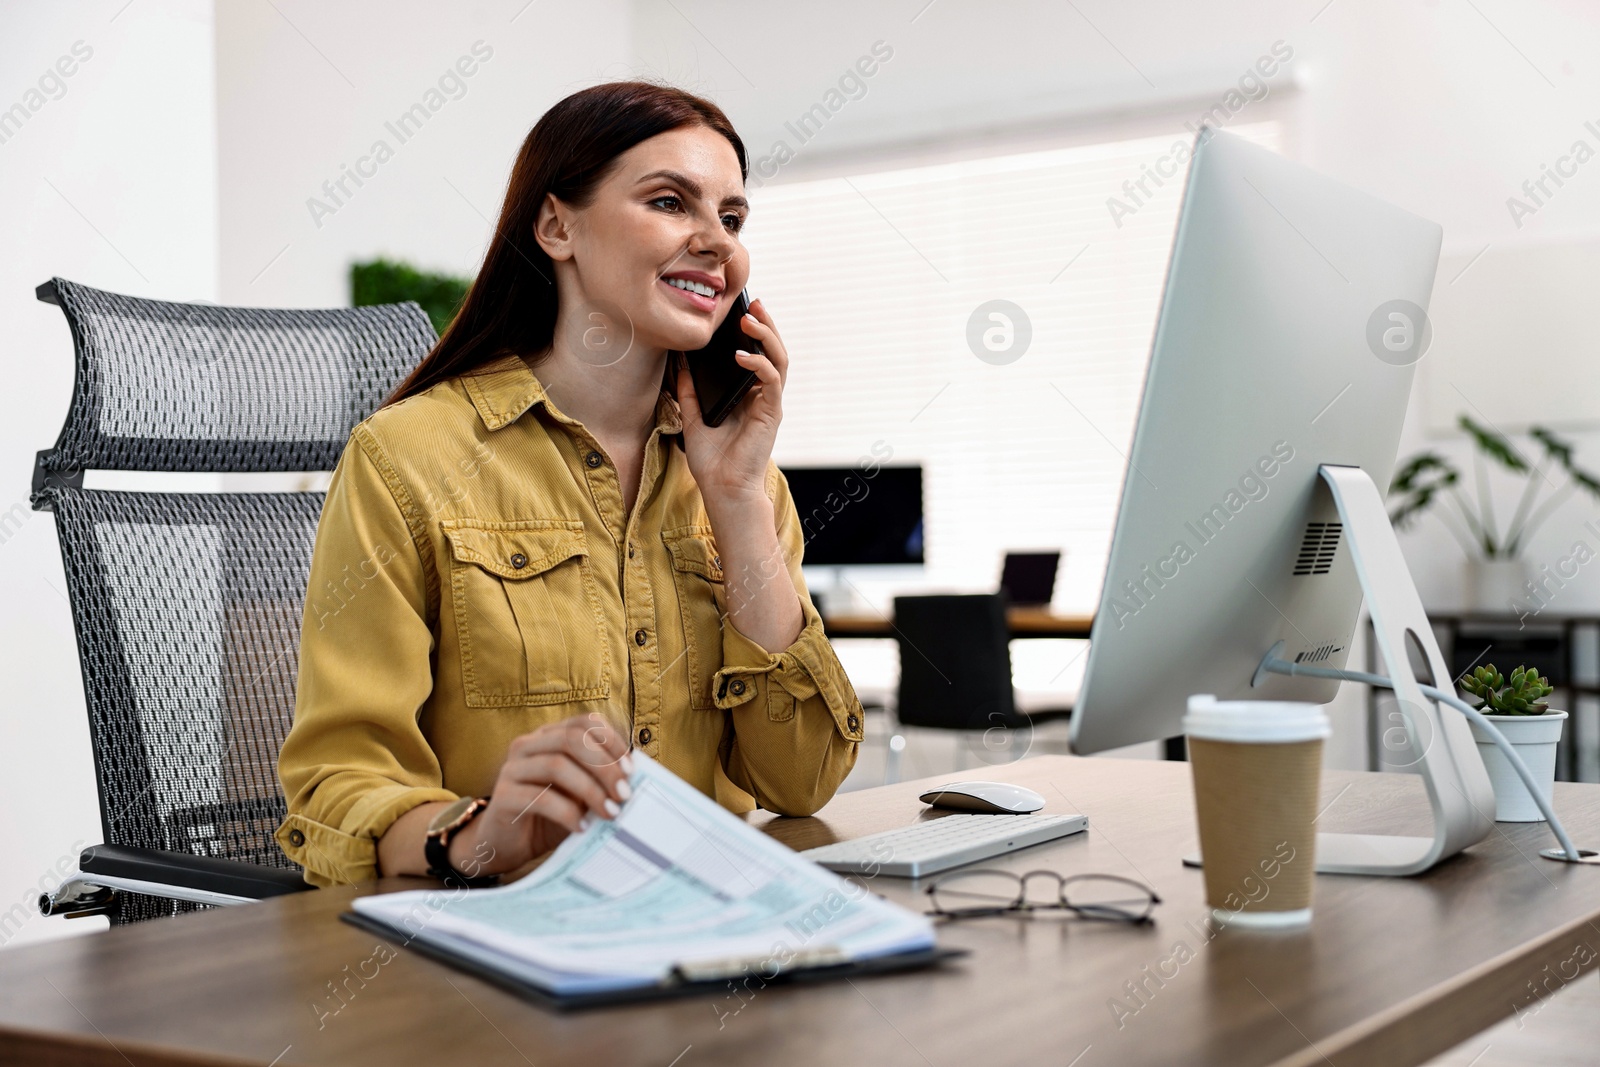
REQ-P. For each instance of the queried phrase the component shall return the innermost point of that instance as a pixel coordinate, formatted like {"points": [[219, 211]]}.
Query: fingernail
{"points": [[624, 790], [587, 821], [627, 765], [611, 808]]}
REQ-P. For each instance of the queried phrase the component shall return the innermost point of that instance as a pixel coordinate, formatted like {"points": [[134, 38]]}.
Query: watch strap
{"points": [[436, 849]]}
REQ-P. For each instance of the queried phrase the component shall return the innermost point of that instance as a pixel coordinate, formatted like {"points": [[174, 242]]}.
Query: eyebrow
{"points": [[693, 187]]}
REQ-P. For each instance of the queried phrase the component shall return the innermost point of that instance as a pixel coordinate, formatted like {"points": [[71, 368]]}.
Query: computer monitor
{"points": [[1029, 578], [851, 516], [1271, 416]]}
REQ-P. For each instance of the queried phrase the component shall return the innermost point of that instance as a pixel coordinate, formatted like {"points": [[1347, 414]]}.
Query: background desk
{"points": [[1392, 972], [1024, 622]]}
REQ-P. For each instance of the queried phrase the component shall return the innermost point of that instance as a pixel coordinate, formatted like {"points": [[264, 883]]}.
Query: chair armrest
{"points": [[183, 871]]}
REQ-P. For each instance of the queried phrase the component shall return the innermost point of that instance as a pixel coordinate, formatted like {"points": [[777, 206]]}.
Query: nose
{"points": [[712, 238]]}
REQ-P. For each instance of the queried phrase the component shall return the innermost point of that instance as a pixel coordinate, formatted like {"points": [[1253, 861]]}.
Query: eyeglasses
{"points": [[1104, 897]]}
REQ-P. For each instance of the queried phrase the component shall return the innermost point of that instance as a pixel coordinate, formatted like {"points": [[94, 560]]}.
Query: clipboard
{"points": [[702, 980]]}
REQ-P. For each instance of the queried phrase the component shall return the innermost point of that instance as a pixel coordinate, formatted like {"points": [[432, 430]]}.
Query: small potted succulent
{"points": [[1516, 706]]}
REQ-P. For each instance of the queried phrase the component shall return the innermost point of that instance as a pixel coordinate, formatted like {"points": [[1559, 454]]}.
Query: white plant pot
{"points": [[1497, 585], [1534, 737]]}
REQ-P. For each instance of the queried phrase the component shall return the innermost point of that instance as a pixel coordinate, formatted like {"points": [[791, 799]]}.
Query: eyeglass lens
{"points": [[1103, 897], [989, 891]]}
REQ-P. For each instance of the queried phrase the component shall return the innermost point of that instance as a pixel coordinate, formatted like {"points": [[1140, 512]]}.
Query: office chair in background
{"points": [[955, 674], [187, 606]]}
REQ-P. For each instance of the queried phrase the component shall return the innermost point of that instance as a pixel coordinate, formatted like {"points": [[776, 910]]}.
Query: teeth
{"points": [[693, 287]]}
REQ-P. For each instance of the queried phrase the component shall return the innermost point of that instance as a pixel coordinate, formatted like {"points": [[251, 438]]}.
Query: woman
{"points": [[536, 556]]}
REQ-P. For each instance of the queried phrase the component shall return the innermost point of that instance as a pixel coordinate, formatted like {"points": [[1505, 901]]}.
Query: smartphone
{"points": [[719, 381]]}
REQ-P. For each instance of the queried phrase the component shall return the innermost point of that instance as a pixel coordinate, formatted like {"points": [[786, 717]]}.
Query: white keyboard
{"points": [[939, 844]]}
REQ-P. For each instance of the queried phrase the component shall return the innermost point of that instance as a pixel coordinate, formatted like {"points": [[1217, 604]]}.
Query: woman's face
{"points": [[671, 208]]}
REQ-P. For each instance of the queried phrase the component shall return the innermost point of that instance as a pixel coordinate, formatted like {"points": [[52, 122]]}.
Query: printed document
{"points": [[673, 882]]}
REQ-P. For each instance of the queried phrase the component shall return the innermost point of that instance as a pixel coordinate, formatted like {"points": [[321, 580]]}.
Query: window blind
{"points": [[872, 280]]}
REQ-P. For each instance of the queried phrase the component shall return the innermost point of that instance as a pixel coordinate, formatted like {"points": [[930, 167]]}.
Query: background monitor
{"points": [[1265, 364], [850, 516]]}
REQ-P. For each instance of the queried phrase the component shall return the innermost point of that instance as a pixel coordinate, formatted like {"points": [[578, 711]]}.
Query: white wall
{"points": [[297, 102], [199, 190], [1450, 121], [111, 181]]}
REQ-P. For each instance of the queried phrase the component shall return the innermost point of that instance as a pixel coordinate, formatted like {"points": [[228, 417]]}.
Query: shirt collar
{"points": [[504, 389]]}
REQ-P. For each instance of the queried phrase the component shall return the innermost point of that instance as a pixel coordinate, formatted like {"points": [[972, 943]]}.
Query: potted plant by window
{"points": [[1496, 573], [1516, 706]]}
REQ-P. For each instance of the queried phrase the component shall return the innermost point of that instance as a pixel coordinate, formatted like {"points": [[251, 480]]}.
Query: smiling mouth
{"points": [[692, 293]]}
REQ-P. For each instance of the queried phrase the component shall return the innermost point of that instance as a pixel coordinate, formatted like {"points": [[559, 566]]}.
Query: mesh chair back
{"points": [[187, 606], [194, 387], [187, 609], [955, 662]]}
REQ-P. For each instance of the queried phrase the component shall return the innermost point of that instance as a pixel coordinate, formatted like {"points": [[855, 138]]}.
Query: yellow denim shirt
{"points": [[475, 576]]}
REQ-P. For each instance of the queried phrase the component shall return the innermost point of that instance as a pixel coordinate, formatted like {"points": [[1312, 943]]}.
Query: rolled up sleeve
{"points": [[355, 759], [797, 722]]}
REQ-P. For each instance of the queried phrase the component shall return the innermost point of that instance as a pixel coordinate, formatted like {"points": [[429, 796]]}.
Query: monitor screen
{"points": [[850, 515], [1029, 578]]}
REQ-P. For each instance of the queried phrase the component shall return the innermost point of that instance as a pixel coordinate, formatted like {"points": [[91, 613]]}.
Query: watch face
{"points": [[451, 815]]}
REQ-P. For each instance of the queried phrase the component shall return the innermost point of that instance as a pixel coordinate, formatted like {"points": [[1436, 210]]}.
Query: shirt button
{"points": [[296, 838], [644, 736], [518, 560], [638, 637], [737, 686], [593, 459], [855, 723], [716, 561], [630, 551]]}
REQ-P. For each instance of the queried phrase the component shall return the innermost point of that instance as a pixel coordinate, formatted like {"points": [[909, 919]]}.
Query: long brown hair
{"points": [[511, 305]]}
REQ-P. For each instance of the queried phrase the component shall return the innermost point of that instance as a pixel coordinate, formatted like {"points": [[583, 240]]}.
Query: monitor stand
{"points": [[839, 595], [1439, 740]]}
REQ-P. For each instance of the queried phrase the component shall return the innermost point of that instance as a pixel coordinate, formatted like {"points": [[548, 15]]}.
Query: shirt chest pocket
{"points": [[528, 612], [697, 578]]}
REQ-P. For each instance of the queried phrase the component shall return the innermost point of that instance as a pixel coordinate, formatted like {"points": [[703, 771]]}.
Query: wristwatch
{"points": [[436, 846]]}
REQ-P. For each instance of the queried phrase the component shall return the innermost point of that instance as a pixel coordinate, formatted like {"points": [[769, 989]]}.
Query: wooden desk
{"points": [[1393, 971], [1024, 622]]}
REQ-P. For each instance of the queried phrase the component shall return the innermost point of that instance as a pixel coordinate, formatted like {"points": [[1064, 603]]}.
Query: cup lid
{"points": [[1254, 721]]}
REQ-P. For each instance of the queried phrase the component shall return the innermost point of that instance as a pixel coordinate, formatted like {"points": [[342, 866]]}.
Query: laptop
{"points": [[1029, 578]]}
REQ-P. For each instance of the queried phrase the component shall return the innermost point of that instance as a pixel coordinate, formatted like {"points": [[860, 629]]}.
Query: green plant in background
{"points": [[1522, 694], [383, 281], [1424, 478]]}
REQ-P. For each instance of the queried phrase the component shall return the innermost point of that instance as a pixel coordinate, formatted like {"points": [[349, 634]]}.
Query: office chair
{"points": [[955, 674], [187, 606]]}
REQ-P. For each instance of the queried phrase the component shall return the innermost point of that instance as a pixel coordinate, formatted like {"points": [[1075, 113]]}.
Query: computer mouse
{"points": [[988, 798]]}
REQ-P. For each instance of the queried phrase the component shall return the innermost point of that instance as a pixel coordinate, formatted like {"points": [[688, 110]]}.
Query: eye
{"points": [[732, 220]]}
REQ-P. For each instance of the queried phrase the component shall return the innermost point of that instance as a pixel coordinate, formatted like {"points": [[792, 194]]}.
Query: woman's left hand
{"points": [[729, 462]]}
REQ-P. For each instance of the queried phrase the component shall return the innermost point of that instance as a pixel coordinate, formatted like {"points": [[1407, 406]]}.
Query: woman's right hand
{"points": [[552, 780]]}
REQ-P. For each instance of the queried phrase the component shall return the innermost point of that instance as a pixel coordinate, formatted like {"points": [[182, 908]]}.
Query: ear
{"points": [[554, 227]]}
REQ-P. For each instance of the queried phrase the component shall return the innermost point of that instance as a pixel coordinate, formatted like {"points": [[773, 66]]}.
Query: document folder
{"points": [[674, 894]]}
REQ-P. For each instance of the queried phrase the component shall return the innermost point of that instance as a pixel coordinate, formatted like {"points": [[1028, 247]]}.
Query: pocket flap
{"points": [[694, 550], [516, 549]]}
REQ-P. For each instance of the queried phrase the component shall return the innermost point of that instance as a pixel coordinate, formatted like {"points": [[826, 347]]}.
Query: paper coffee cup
{"points": [[1257, 769]]}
